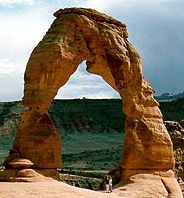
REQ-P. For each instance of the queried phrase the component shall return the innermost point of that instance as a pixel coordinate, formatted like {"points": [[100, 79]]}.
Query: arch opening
{"points": [[83, 84], [91, 129]]}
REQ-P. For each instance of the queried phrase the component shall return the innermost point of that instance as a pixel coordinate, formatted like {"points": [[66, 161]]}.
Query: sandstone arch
{"points": [[85, 34]]}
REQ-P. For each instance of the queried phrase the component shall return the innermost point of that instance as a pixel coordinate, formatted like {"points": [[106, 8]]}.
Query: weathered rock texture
{"points": [[20, 163], [84, 34]]}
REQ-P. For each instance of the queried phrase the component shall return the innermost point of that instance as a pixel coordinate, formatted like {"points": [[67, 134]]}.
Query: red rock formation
{"points": [[84, 34]]}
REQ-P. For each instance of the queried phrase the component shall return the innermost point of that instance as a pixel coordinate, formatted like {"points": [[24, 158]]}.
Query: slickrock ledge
{"points": [[142, 186]]}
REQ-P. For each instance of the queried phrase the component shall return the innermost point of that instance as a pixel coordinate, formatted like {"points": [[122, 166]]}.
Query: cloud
{"points": [[16, 2], [84, 84], [9, 66], [21, 30], [11, 88], [101, 5], [19, 34]]}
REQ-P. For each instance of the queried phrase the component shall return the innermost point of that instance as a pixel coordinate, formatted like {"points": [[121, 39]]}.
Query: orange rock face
{"points": [[84, 34]]}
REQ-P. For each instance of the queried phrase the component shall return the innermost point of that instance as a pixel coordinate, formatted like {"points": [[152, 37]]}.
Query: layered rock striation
{"points": [[76, 35]]}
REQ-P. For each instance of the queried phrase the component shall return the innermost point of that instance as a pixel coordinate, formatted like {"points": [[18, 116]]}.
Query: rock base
{"points": [[150, 186], [142, 185], [128, 174], [28, 175]]}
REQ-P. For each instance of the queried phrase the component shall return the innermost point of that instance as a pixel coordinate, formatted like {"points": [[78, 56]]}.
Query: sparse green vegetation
{"points": [[91, 130], [173, 110]]}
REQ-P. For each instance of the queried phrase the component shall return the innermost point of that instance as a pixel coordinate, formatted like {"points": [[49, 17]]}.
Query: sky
{"points": [[156, 29]]}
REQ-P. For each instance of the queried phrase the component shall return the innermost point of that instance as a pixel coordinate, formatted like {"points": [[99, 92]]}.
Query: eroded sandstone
{"points": [[20, 163], [76, 35]]}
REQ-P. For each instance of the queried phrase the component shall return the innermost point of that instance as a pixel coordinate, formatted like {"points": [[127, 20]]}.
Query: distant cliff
{"points": [[170, 97], [82, 115]]}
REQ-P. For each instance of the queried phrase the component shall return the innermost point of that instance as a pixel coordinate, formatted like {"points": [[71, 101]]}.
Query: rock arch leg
{"points": [[148, 147], [37, 138]]}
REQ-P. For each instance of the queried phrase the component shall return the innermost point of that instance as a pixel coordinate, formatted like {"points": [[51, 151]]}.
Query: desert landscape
{"points": [[127, 147], [92, 134]]}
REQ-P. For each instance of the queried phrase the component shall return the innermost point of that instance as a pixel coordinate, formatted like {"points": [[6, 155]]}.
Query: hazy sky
{"points": [[156, 29]]}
